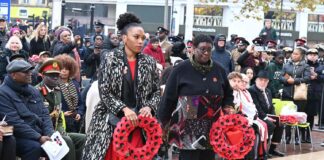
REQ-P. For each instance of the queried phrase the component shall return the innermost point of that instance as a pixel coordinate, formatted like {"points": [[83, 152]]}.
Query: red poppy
{"points": [[288, 119], [153, 139], [231, 136]]}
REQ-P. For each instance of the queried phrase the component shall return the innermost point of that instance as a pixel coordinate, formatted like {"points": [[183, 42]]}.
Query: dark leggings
{"points": [[197, 155]]}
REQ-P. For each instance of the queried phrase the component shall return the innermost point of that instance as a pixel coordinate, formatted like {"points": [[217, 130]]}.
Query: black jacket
{"points": [[40, 45], [315, 85], [61, 48], [4, 61], [92, 62], [223, 57], [25, 110], [260, 101]]}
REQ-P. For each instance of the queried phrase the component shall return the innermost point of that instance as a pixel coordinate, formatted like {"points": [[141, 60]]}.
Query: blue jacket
{"points": [[24, 108], [222, 56]]}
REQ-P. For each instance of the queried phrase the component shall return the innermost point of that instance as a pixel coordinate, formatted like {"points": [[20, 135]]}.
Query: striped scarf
{"points": [[70, 94]]}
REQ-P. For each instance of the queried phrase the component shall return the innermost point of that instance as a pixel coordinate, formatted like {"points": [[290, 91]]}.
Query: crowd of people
{"points": [[82, 87]]}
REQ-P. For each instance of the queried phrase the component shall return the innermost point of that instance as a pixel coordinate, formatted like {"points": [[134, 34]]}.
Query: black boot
{"points": [[308, 136], [273, 152], [303, 135]]}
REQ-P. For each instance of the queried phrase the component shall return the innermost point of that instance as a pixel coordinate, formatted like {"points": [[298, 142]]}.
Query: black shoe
{"points": [[287, 140], [269, 155], [276, 153]]}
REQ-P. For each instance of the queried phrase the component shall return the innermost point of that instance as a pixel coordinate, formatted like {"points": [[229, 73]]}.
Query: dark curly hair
{"points": [[68, 63], [127, 20], [201, 38]]}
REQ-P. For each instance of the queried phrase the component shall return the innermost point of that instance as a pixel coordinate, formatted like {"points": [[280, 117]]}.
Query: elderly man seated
{"points": [[24, 109]]}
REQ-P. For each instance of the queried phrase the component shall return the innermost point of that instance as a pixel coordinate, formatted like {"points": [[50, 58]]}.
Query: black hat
{"points": [[19, 66], [258, 41], [2, 19], [312, 51], [279, 54], [242, 42], [174, 39], [263, 74], [271, 41], [16, 56], [162, 29], [99, 24]]}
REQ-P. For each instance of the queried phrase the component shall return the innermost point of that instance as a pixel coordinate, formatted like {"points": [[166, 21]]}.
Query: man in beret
{"points": [[24, 110], [287, 51], [301, 42], [262, 99], [52, 96], [162, 34], [242, 44]]}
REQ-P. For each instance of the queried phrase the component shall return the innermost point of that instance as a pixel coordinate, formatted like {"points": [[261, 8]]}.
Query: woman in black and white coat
{"points": [[128, 86]]}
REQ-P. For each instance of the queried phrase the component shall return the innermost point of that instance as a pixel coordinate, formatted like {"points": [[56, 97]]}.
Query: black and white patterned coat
{"points": [[111, 72]]}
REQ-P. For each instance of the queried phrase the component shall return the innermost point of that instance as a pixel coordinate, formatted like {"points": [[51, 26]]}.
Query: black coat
{"points": [[260, 101], [40, 45], [4, 61], [92, 62], [61, 48], [25, 110]]}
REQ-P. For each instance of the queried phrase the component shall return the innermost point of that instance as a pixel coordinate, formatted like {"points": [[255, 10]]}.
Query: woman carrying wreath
{"points": [[128, 87], [195, 93]]}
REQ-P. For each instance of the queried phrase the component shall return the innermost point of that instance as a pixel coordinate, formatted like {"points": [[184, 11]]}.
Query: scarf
{"points": [[203, 69], [20, 89], [70, 95]]}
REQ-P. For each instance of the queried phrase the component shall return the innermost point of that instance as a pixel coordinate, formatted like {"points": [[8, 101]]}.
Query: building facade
{"points": [[200, 17]]}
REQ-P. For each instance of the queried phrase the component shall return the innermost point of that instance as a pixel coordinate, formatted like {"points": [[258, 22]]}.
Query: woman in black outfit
{"points": [[40, 41]]}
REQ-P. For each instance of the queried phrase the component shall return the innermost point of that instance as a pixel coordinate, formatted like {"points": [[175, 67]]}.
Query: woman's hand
{"points": [[145, 112], [130, 115], [68, 113], [77, 117]]}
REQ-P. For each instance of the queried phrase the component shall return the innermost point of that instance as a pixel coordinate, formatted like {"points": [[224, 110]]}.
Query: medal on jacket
{"points": [[125, 69], [44, 91]]}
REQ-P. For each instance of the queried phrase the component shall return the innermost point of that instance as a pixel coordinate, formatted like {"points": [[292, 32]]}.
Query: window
{"points": [[315, 23], [26, 1], [287, 20], [209, 16]]}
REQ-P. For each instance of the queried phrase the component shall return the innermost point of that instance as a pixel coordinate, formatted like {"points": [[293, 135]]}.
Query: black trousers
{"points": [[197, 155], [8, 148], [275, 131]]}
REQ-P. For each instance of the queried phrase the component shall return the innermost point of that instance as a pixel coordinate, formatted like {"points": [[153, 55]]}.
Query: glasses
{"points": [[204, 50]]}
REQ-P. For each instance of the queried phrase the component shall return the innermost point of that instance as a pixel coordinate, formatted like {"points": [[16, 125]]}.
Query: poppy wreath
{"points": [[288, 119], [231, 136], [153, 139]]}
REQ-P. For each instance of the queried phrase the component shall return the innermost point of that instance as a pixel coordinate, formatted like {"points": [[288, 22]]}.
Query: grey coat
{"points": [[111, 72], [301, 74]]}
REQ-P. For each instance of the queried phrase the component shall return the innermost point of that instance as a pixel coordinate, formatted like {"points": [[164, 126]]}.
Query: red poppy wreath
{"points": [[153, 139], [231, 136], [287, 119]]}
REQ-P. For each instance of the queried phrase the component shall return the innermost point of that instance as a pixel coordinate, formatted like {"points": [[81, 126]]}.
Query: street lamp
{"points": [[92, 7], [62, 14]]}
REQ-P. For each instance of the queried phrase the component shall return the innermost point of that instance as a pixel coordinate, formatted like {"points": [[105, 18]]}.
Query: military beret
{"points": [[50, 66], [162, 29], [242, 42], [271, 41], [45, 52], [18, 66], [299, 39], [287, 49]]}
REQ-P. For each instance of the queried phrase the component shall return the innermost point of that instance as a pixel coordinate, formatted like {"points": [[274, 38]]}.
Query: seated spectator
{"points": [[40, 40], [71, 97], [51, 96], [25, 111], [248, 71], [13, 47], [154, 50], [262, 99]]}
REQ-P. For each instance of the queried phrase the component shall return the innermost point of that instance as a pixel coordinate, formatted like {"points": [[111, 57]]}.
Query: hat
{"points": [[312, 51], [258, 41], [16, 56], [242, 42], [263, 74], [271, 41], [220, 37], [287, 49], [2, 19], [174, 39], [162, 29], [299, 39], [50, 66], [272, 51], [189, 44], [45, 52], [18, 66], [99, 24]]}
